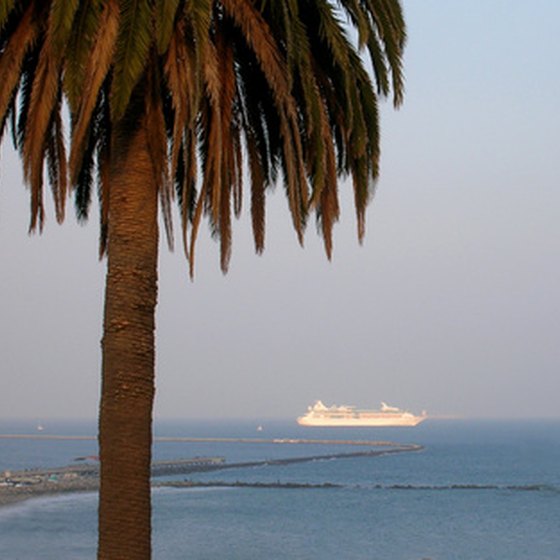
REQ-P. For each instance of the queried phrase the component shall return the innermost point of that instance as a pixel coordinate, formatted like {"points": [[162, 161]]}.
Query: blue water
{"points": [[479, 490]]}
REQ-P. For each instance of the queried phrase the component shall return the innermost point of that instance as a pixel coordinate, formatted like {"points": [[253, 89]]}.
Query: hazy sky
{"points": [[452, 305]]}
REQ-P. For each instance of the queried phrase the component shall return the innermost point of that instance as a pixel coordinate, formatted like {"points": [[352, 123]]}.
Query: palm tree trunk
{"points": [[127, 392]]}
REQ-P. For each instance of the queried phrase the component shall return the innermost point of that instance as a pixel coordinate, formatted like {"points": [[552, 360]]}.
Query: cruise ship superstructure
{"points": [[350, 416]]}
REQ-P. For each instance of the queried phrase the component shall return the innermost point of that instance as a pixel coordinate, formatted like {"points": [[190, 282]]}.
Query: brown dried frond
{"points": [[179, 67], [237, 172], [189, 183], [104, 173], [258, 36], [44, 96], [157, 145], [195, 227], [225, 231], [12, 57], [98, 65], [329, 207], [212, 180], [56, 160], [258, 197], [221, 205]]}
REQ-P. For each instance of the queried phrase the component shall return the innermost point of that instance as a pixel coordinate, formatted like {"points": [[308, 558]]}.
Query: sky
{"points": [[451, 305]]}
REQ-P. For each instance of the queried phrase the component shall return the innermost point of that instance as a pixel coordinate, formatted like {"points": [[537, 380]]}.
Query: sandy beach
{"points": [[11, 495]]}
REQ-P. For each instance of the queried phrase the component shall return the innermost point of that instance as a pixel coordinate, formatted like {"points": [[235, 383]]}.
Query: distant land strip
{"points": [[180, 439]]}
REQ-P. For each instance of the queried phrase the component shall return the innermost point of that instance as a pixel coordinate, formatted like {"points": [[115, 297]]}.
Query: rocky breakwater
{"points": [[16, 486], [21, 485]]}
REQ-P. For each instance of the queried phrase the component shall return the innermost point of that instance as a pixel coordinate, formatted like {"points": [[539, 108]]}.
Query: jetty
{"points": [[84, 477]]}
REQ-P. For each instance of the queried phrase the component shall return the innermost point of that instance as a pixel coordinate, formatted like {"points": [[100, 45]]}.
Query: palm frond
{"points": [[56, 164], [259, 118], [211, 153], [97, 68], [197, 217], [85, 29], [133, 44], [8, 117], [259, 153], [279, 84], [84, 181], [335, 43], [165, 13], [13, 55], [104, 134], [61, 17], [157, 146], [28, 70], [44, 94], [187, 186], [228, 163], [180, 72], [378, 64], [325, 189], [6, 6], [359, 18], [238, 171], [257, 192], [389, 22], [256, 33]]}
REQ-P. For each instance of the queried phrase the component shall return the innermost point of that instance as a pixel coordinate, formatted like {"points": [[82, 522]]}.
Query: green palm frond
{"points": [[6, 6], [377, 57], [389, 22], [61, 18], [256, 33], [131, 57], [359, 19], [96, 68], [85, 26], [165, 13]]}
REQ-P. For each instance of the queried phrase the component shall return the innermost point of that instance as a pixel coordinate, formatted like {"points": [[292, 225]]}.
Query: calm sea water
{"points": [[479, 490]]}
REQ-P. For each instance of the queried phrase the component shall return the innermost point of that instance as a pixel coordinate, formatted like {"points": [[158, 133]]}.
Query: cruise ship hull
{"points": [[350, 422]]}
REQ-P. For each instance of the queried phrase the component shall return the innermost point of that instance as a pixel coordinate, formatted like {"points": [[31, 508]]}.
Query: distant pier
{"points": [[20, 485]]}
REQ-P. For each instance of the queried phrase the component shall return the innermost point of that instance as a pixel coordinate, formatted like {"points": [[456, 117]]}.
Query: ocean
{"points": [[480, 490]]}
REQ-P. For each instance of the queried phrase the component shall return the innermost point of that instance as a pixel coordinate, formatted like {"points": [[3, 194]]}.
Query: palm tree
{"points": [[178, 99]]}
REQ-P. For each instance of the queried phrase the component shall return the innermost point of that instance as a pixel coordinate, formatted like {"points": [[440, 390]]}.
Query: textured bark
{"points": [[127, 393]]}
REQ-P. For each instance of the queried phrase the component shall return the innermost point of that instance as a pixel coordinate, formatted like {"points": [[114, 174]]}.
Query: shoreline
{"points": [[12, 496]]}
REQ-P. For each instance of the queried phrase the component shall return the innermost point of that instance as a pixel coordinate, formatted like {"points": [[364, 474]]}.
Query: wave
{"points": [[478, 487], [192, 485], [45, 503]]}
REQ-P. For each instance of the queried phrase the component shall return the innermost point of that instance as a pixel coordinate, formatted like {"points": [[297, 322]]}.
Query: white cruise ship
{"points": [[350, 416]]}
